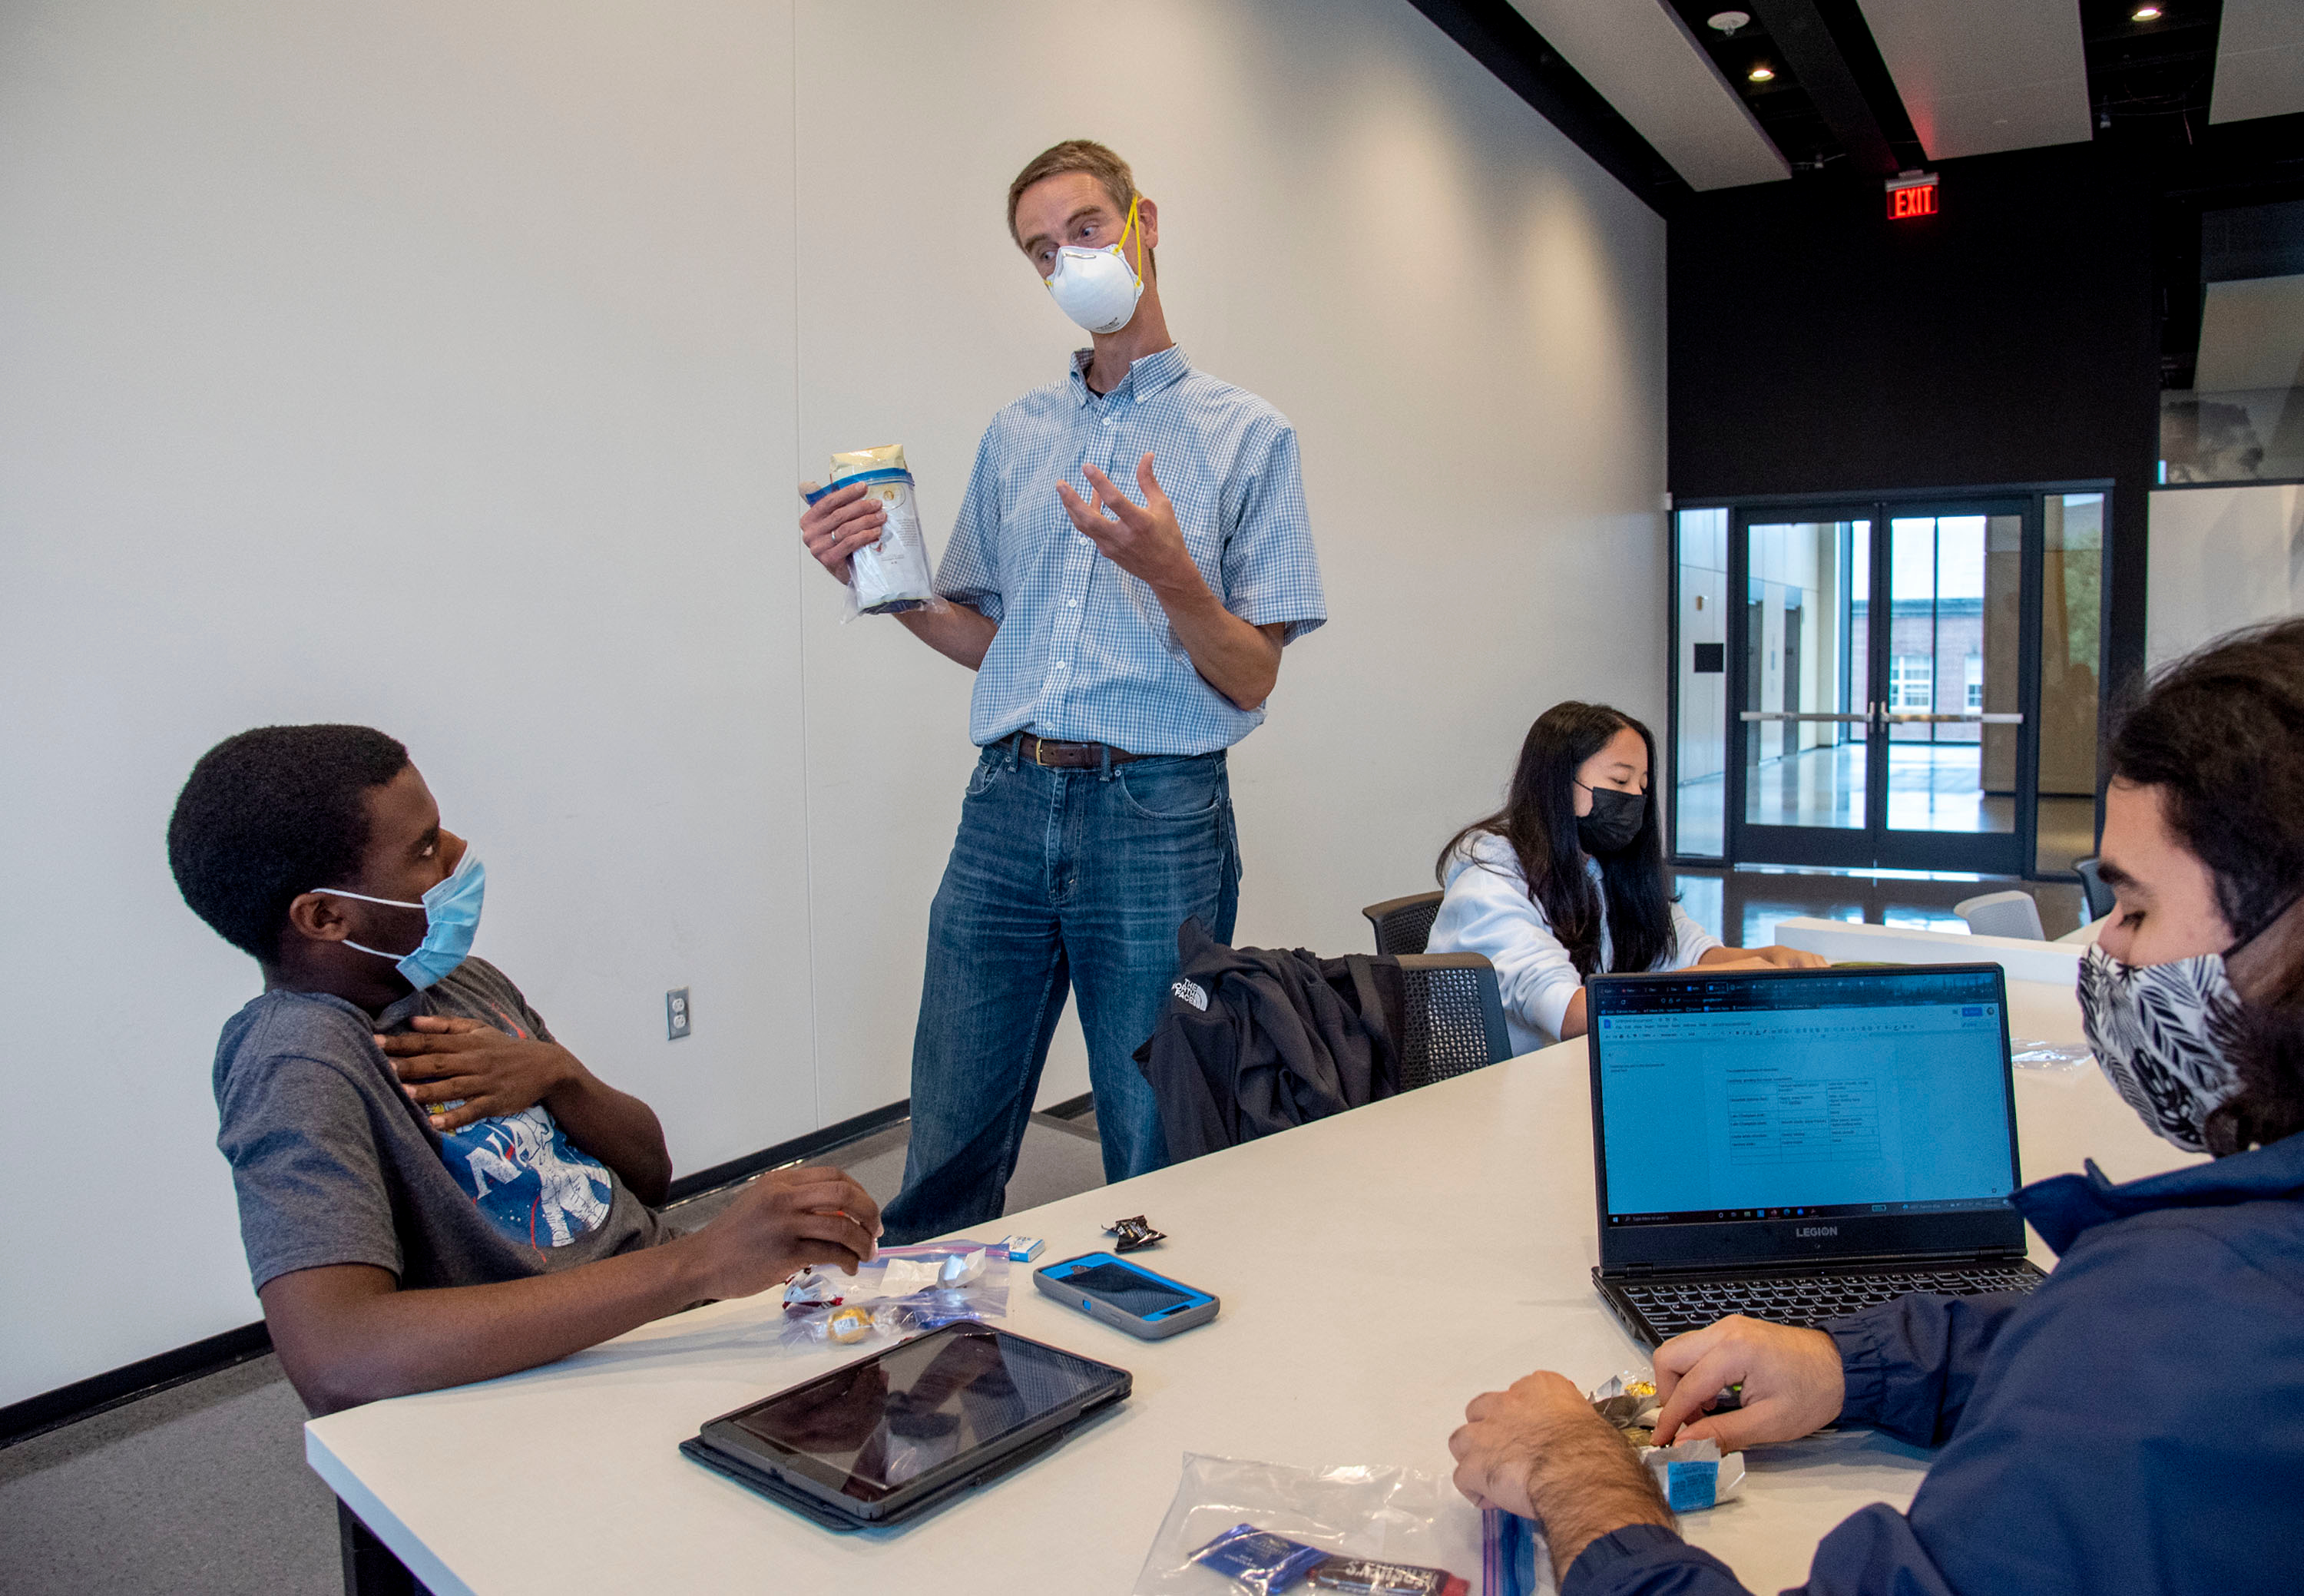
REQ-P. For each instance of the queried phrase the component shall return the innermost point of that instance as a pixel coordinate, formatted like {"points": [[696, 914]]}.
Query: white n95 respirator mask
{"points": [[1097, 288]]}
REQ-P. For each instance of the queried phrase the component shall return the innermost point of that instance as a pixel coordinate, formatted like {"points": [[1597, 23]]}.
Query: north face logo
{"points": [[1193, 993]]}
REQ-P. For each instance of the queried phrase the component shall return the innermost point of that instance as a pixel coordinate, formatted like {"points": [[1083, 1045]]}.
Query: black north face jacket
{"points": [[1255, 1039]]}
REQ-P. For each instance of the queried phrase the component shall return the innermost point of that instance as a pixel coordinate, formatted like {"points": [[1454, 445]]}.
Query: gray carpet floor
{"points": [[202, 1488]]}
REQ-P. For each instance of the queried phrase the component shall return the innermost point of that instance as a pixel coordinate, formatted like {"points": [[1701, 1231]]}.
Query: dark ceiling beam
{"points": [[1816, 63], [1496, 36]]}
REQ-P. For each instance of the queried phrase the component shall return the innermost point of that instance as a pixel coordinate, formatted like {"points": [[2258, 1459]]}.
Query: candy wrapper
{"points": [[889, 576], [902, 1292], [1692, 1475], [1133, 1234]]}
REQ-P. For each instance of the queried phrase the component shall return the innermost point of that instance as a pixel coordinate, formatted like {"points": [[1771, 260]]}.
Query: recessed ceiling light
{"points": [[2145, 14], [1762, 73], [1728, 22]]}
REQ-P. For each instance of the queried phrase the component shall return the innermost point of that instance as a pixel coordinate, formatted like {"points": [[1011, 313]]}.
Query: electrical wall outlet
{"points": [[675, 1014]]}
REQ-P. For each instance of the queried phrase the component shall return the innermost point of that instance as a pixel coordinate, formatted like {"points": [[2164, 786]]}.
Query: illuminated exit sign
{"points": [[1912, 194]]}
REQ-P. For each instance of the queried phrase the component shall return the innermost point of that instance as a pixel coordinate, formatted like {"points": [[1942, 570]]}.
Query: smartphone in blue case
{"points": [[1126, 1296]]}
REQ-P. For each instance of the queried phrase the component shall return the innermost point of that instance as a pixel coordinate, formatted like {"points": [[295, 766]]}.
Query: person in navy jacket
{"points": [[2137, 1422]]}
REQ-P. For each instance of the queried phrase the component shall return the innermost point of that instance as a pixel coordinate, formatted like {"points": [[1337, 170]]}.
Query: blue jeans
{"points": [[1058, 878]]}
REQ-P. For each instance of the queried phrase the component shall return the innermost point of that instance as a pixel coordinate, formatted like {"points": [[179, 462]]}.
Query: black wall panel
{"points": [[1818, 347]]}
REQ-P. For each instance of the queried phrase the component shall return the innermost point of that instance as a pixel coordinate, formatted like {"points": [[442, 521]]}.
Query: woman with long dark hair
{"points": [[1567, 879]]}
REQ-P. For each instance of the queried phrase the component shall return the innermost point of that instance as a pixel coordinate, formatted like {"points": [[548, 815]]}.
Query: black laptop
{"points": [[1797, 1144]]}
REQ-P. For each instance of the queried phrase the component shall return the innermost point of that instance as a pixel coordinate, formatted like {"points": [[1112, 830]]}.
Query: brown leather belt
{"points": [[1069, 756]]}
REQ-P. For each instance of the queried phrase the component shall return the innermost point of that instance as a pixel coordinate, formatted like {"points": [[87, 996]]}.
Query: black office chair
{"points": [[1453, 1019], [1403, 924], [2100, 901]]}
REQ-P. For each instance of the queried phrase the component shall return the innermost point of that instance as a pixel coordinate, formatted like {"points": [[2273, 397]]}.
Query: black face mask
{"points": [[1616, 819]]}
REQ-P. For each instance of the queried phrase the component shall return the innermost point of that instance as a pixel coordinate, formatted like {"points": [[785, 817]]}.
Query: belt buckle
{"points": [[1039, 744]]}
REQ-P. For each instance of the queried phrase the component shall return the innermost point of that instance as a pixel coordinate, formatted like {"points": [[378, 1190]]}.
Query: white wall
{"points": [[448, 368], [2220, 558]]}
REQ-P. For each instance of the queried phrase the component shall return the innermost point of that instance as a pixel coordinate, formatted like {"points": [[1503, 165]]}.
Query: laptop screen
{"points": [[1821, 1095]]}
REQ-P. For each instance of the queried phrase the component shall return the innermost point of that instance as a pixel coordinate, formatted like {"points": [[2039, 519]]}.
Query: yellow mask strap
{"points": [[1123, 245]]}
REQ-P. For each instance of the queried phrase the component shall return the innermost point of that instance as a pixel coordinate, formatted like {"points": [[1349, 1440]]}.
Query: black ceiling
{"points": [[1831, 106], [2152, 78]]}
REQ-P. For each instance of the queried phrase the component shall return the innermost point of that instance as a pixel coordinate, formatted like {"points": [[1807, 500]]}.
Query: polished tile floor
{"points": [[1931, 787]]}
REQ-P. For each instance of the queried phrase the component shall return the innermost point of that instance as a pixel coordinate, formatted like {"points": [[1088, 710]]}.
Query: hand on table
{"points": [[841, 522], [1788, 958], [1142, 539], [1792, 1379], [486, 1073], [1539, 1450], [785, 1221], [1776, 956]]}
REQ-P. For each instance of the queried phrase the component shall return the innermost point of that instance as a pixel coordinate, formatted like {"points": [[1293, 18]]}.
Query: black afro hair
{"points": [[271, 813]]}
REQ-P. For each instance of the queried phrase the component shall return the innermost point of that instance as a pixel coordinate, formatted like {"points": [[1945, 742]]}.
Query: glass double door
{"points": [[1880, 699]]}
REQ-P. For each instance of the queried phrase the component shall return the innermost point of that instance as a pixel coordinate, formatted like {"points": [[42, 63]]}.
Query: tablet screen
{"points": [[873, 1427]]}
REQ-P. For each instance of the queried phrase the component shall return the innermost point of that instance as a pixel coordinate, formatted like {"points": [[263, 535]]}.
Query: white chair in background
{"points": [[2002, 914]]}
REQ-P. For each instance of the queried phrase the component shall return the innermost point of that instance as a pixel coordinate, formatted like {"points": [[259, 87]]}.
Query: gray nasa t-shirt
{"points": [[333, 1164]]}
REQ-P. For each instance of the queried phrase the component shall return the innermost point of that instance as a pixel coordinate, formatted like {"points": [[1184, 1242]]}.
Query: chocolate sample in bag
{"points": [[1372, 1576], [891, 576]]}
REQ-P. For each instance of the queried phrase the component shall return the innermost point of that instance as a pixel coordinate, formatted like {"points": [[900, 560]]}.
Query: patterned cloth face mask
{"points": [[2154, 1029]]}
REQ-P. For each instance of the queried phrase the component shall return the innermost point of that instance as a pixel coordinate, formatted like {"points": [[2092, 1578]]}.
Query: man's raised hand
{"points": [[1142, 539]]}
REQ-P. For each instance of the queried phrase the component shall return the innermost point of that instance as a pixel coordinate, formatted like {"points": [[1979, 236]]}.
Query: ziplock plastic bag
{"points": [[2030, 1053], [1394, 1516], [889, 576], [902, 1292], [1514, 1561]]}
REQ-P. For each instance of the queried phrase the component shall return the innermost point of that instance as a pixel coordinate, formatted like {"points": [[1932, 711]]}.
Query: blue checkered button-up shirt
{"points": [[1085, 653]]}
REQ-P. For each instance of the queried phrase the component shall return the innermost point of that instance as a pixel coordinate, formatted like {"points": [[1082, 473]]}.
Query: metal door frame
{"points": [[1875, 845]]}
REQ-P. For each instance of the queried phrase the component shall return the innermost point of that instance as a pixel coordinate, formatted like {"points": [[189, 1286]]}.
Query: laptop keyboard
{"points": [[1674, 1308]]}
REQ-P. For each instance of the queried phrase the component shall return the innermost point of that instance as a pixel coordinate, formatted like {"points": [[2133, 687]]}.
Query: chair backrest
{"points": [[1403, 924], [2002, 914], [2100, 901], [1453, 1021]]}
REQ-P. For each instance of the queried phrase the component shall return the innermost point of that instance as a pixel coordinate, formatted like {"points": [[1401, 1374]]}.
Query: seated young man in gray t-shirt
{"points": [[431, 1189]]}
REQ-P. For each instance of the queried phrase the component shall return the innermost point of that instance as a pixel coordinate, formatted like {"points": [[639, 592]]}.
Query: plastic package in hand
{"points": [[891, 576], [1692, 1474]]}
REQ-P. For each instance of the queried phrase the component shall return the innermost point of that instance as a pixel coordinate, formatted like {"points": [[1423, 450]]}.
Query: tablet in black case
{"points": [[891, 1436]]}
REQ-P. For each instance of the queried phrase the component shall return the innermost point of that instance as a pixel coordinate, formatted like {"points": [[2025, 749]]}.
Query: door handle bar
{"points": [[1885, 716]]}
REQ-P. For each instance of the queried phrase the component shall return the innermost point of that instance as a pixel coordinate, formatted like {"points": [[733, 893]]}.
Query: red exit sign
{"points": [[1912, 194]]}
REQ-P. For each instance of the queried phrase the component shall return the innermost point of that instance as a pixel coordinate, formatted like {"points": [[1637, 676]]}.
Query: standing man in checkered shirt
{"points": [[1122, 642]]}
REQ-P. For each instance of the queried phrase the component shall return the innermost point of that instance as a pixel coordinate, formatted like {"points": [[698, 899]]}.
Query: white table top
{"points": [[1377, 1270]]}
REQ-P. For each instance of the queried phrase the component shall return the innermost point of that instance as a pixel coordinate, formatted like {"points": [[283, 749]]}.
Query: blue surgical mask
{"points": [[451, 917]]}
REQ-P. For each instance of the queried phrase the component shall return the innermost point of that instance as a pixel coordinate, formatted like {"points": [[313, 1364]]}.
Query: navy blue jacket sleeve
{"points": [[1646, 1560], [1910, 1363]]}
